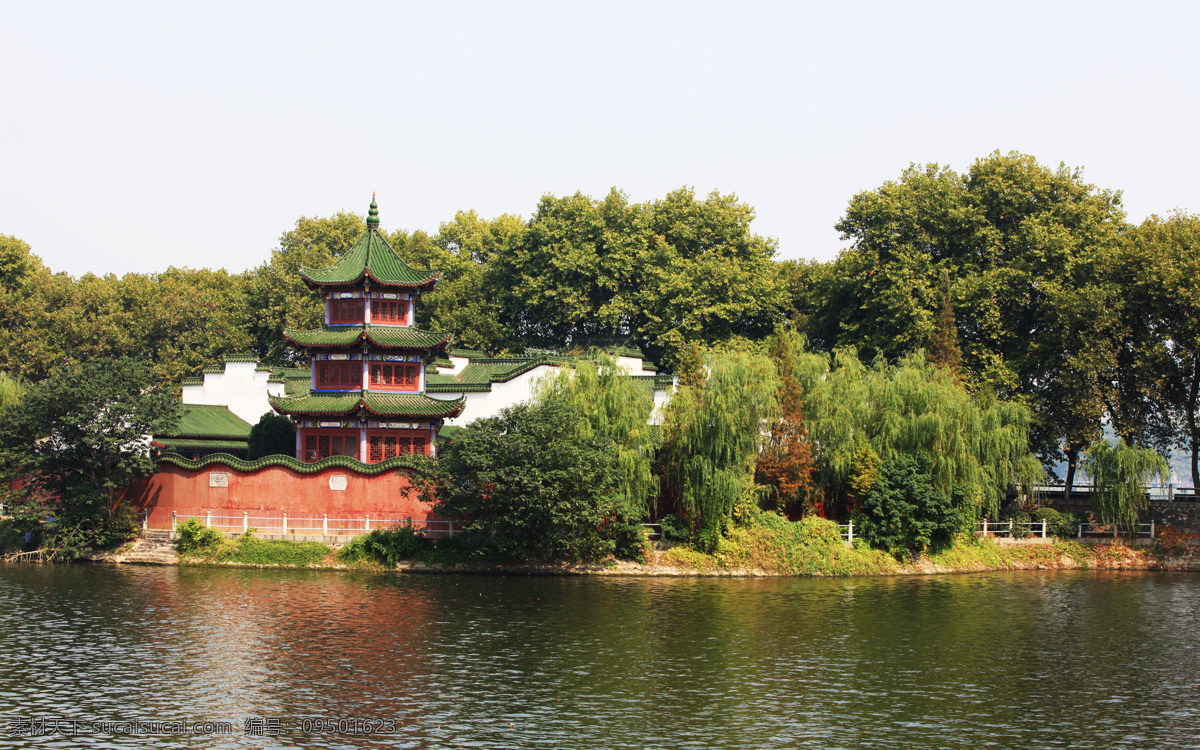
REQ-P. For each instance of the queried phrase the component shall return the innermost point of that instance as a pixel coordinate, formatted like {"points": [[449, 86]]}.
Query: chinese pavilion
{"points": [[366, 394]]}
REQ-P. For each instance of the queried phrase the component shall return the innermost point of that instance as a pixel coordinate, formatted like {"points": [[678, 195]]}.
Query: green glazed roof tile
{"points": [[381, 404], [371, 257], [240, 357], [214, 369], [202, 444], [391, 337], [205, 421], [193, 381]]}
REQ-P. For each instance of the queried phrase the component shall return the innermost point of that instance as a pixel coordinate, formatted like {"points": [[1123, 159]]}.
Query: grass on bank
{"points": [[763, 541], [199, 541], [814, 547]]}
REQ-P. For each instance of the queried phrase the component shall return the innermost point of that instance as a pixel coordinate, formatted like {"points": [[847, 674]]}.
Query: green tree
{"points": [[526, 484], [713, 437], [1157, 371], [273, 435], [81, 437], [1023, 247], [616, 410], [11, 391], [1120, 474], [974, 443], [664, 272], [17, 262], [905, 510], [786, 464], [466, 302], [278, 296]]}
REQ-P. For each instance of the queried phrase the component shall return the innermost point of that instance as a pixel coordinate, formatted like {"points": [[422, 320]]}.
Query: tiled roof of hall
{"points": [[388, 337], [371, 258], [209, 421], [380, 404]]}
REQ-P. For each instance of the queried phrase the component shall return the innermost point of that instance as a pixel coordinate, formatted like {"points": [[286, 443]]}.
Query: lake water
{"points": [[1048, 659]]}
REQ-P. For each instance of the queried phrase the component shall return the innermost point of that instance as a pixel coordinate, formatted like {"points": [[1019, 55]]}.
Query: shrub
{"points": [[905, 512], [675, 529], [1018, 517], [631, 543], [197, 540], [526, 484], [384, 546], [1059, 523]]}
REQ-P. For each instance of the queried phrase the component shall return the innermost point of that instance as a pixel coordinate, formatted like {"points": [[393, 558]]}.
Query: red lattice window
{"points": [[346, 310], [318, 445], [398, 376], [389, 311], [381, 447], [332, 375]]}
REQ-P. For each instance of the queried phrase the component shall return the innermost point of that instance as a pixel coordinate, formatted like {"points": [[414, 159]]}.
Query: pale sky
{"points": [[137, 136]]}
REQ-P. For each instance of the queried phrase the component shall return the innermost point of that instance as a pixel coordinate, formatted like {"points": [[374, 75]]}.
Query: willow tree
{"points": [[713, 435], [1120, 474], [11, 390], [974, 445], [615, 409]]}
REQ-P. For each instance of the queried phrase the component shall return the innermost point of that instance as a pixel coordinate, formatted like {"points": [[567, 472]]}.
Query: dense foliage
{"points": [[273, 435], [80, 437], [905, 510], [383, 546], [854, 412], [1120, 474], [713, 436], [528, 483]]}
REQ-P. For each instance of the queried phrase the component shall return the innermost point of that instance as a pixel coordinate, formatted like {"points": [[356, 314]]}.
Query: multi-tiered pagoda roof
{"points": [[369, 362]]}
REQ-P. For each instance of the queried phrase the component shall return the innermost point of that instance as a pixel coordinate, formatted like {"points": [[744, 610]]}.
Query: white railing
{"points": [[1007, 528], [323, 526], [1090, 529], [847, 531]]}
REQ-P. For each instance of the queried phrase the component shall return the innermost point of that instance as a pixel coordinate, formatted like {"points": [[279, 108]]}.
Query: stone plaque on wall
{"points": [[218, 479], [337, 482]]}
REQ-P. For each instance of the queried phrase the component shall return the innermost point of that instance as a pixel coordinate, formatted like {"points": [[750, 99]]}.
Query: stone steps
{"points": [[154, 548]]}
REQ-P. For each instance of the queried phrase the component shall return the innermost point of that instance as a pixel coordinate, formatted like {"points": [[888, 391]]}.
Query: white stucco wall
{"points": [[240, 388], [459, 364], [502, 395]]}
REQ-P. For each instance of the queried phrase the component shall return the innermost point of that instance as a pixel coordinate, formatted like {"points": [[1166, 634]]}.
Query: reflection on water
{"points": [[1070, 659]]}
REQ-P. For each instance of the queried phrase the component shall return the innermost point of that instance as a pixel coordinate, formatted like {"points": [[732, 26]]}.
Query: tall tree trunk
{"points": [[1193, 432], [1072, 460]]}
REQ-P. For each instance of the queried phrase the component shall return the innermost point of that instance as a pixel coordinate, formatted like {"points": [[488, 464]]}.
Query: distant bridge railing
{"points": [[323, 526], [1157, 494]]}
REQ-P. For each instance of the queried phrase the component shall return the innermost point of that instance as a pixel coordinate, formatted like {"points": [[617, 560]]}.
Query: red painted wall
{"points": [[275, 490]]}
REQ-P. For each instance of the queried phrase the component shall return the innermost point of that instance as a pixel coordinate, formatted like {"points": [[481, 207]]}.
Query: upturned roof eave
{"points": [[424, 286], [365, 333]]}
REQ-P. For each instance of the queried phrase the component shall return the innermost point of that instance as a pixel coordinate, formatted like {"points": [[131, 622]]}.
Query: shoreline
{"points": [[994, 558]]}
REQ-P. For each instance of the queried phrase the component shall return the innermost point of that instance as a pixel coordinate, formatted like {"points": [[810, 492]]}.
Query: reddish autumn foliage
{"points": [[786, 463]]}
